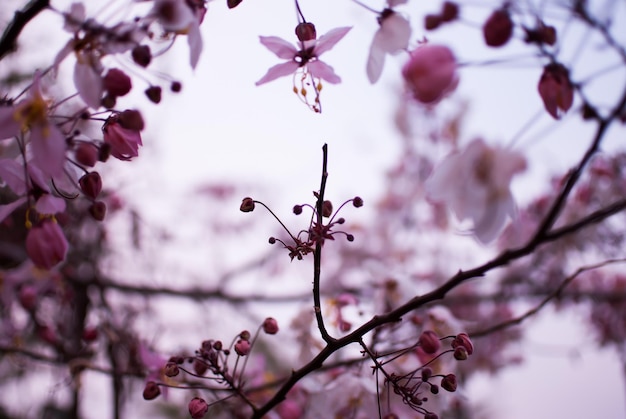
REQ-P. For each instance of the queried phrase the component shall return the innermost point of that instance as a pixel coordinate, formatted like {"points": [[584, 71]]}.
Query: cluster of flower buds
{"points": [[318, 232]]}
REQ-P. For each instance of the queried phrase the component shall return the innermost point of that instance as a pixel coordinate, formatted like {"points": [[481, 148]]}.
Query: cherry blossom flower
{"points": [[46, 244], [124, 141], [430, 73], [305, 58], [475, 184], [391, 38], [32, 115]]}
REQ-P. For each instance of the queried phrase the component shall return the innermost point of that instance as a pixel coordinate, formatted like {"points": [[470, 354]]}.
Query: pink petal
{"points": [[8, 125], [48, 149], [328, 40], [277, 71], [194, 39], [12, 173], [375, 60], [279, 46], [323, 71], [88, 83], [395, 32], [393, 3], [50, 204], [6, 210]]}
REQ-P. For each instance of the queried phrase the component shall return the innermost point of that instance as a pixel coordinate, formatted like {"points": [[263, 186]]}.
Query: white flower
{"points": [[391, 38], [475, 184]]}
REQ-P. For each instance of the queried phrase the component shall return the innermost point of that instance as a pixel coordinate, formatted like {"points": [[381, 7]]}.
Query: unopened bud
{"points": [[141, 55], [247, 205], [426, 373], [498, 29], [86, 154], [270, 326], [449, 11], [429, 341], [327, 209], [198, 408], [116, 82], [131, 119], [151, 391], [91, 184], [357, 201], [305, 31], [176, 86], [171, 369], [98, 210], [449, 382], [245, 335], [242, 347], [432, 22], [154, 93], [460, 354], [464, 341], [297, 209]]}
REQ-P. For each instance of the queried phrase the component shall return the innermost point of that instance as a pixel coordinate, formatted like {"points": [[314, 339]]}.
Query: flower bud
{"points": [[141, 55], [171, 369], [154, 93], [198, 408], [449, 11], [242, 347], [200, 367], [432, 22], [131, 119], [245, 335], [98, 210], [86, 154], [556, 89], [426, 373], [46, 244], [357, 201], [270, 326], [429, 341], [449, 382], [434, 389], [247, 205], [90, 334], [233, 3], [498, 29], [327, 209], [28, 297], [305, 31], [176, 86], [91, 184], [430, 73], [297, 209], [116, 82], [431, 415], [460, 353], [464, 341], [151, 391]]}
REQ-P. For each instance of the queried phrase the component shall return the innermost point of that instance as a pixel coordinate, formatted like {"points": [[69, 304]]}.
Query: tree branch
{"points": [[8, 41]]}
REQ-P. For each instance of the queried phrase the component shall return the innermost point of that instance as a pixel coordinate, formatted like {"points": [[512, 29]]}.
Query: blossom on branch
{"points": [[304, 59], [475, 184]]}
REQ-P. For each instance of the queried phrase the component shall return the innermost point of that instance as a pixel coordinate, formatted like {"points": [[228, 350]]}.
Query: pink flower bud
{"points": [[463, 340], [297, 209], [305, 31], [327, 209], [449, 11], [357, 202], [46, 244], [430, 73], [124, 142], [198, 408], [270, 326], [86, 154], [431, 415], [200, 367], [432, 22], [426, 373], [151, 391], [242, 347], [90, 334], [131, 119], [429, 341], [116, 82], [556, 90], [449, 382], [91, 184], [498, 29], [171, 369], [28, 297], [460, 353]]}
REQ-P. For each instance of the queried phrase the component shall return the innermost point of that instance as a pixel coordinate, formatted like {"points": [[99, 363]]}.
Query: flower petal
{"points": [[8, 125], [194, 39], [328, 40], [279, 46], [279, 70], [12, 174], [375, 60], [6, 210], [48, 149], [394, 3], [323, 71], [88, 83], [50, 204]]}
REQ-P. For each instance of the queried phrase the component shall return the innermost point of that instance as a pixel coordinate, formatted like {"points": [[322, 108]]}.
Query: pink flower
{"points": [[124, 142], [556, 90], [46, 140], [46, 244], [475, 184], [430, 73], [305, 58], [391, 38]]}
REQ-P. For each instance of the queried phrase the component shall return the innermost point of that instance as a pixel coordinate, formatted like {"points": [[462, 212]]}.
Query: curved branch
{"points": [[8, 41]]}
